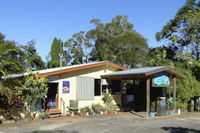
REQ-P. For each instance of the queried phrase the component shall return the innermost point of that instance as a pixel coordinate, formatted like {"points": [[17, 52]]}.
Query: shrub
{"points": [[85, 110], [108, 101], [43, 115], [32, 89]]}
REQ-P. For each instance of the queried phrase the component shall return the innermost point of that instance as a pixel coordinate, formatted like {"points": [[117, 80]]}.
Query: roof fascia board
{"points": [[81, 68]]}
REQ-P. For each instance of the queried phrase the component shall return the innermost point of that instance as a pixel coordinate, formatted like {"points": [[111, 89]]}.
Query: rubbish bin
{"points": [[197, 103], [161, 106], [191, 106]]}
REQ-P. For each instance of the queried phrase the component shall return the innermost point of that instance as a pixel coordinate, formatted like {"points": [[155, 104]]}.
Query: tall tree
{"points": [[118, 42], [80, 47], [183, 31], [10, 57], [32, 59], [56, 51], [10, 62]]}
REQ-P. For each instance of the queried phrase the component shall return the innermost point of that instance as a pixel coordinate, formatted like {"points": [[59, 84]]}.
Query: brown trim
{"points": [[81, 68], [123, 76]]}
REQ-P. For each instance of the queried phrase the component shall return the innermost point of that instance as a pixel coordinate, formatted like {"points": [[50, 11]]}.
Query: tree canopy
{"points": [[79, 47], [183, 31], [32, 59], [116, 41], [55, 53]]}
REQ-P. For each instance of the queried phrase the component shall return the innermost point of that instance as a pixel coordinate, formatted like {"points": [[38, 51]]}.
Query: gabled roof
{"points": [[59, 70], [143, 72]]}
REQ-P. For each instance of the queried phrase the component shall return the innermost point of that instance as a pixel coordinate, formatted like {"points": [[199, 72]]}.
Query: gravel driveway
{"points": [[124, 123]]}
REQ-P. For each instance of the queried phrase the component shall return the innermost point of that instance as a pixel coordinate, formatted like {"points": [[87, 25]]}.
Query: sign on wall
{"points": [[161, 80], [66, 87]]}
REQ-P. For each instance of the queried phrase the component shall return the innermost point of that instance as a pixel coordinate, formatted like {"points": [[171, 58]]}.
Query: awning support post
{"points": [[147, 97], [174, 93]]}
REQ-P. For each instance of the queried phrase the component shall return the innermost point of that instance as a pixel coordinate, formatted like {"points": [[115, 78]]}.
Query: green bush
{"points": [[108, 101], [85, 110], [181, 105], [43, 115]]}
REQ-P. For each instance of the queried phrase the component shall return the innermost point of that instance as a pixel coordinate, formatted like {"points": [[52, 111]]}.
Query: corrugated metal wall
{"points": [[85, 88]]}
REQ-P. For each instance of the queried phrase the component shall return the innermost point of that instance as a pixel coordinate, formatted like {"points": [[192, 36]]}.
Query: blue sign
{"points": [[66, 87], [160, 80]]}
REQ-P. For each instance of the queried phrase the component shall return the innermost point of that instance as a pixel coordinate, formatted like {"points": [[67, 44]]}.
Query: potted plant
{"points": [[97, 108], [170, 105], [108, 101], [85, 111], [153, 109]]}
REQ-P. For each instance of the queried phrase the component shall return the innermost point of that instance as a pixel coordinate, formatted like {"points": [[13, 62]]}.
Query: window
{"points": [[97, 87]]}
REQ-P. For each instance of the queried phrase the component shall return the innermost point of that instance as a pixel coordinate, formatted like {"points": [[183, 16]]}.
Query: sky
{"points": [[42, 20]]}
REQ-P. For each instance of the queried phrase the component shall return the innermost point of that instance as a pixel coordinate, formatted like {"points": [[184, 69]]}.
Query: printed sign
{"points": [[160, 80], [66, 86]]}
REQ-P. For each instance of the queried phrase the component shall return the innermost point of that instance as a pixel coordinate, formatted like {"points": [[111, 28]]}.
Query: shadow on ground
{"points": [[180, 130], [54, 131]]}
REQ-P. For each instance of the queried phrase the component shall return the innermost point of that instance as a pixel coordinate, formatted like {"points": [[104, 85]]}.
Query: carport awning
{"points": [[142, 72]]}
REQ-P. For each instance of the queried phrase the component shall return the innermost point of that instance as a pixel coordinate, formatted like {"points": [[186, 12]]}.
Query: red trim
{"points": [[176, 73], [82, 67]]}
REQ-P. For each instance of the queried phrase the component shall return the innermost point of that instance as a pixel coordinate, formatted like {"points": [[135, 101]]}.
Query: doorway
{"points": [[52, 96]]}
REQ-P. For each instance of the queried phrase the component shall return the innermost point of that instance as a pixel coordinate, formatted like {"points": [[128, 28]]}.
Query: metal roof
{"points": [[51, 70], [146, 71]]}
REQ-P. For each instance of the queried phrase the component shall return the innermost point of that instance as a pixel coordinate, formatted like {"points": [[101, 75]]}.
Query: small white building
{"points": [[79, 82]]}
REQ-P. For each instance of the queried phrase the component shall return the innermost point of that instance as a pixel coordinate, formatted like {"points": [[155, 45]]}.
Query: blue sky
{"points": [[42, 20]]}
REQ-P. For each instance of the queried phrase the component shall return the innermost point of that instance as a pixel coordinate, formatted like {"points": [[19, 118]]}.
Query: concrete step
{"points": [[54, 116]]}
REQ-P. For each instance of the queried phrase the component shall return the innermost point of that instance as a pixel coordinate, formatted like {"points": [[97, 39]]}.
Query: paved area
{"points": [[124, 123]]}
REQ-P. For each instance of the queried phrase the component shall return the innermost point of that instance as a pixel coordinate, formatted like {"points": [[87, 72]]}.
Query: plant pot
{"points": [[152, 114], [110, 112], [101, 112]]}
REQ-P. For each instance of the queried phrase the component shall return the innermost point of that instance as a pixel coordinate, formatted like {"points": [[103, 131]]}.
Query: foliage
{"points": [[181, 105], [32, 90], [187, 88], [183, 30], [158, 57], [10, 57], [43, 115], [118, 42], [108, 101], [10, 62], [85, 110], [32, 59], [79, 47], [153, 106], [56, 52], [195, 68]]}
